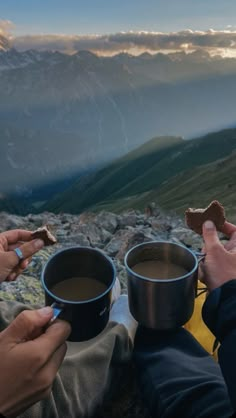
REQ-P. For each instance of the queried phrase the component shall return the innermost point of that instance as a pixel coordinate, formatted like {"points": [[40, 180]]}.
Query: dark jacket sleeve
{"points": [[219, 314]]}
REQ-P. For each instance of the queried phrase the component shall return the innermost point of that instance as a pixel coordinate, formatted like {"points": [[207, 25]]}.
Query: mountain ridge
{"points": [[142, 172], [62, 115]]}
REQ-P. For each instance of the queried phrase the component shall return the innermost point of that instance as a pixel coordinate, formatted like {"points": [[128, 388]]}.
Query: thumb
{"points": [[210, 236], [27, 324]]}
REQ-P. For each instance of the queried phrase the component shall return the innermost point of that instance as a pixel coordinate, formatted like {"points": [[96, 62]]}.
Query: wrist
{"points": [[215, 284]]}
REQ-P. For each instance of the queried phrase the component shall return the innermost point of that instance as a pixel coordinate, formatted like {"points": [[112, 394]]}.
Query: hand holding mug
{"points": [[30, 358]]}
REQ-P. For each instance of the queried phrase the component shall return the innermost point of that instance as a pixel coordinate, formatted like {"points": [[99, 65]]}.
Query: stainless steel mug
{"points": [[162, 303], [87, 317]]}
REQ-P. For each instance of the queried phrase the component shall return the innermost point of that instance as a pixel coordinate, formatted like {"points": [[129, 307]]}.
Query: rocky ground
{"points": [[112, 233]]}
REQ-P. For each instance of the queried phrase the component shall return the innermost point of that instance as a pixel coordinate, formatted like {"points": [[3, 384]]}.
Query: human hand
{"points": [[219, 265], [10, 264], [30, 357]]}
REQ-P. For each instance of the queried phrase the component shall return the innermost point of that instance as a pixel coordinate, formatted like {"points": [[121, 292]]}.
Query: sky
{"points": [[49, 23]]}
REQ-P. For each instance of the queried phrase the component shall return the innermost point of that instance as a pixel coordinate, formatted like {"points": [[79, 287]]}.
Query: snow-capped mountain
{"points": [[12, 59], [63, 114]]}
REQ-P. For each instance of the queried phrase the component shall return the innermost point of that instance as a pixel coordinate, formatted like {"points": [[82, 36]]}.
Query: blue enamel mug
{"points": [[87, 317]]}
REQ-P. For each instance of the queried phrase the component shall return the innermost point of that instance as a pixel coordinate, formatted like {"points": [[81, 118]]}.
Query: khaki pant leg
{"points": [[90, 371]]}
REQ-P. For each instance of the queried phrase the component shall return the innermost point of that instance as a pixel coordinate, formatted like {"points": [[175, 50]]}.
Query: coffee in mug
{"points": [[156, 269], [79, 288]]}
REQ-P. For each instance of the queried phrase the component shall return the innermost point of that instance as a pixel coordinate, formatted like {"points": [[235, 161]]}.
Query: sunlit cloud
{"points": [[6, 27], [186, 40]]}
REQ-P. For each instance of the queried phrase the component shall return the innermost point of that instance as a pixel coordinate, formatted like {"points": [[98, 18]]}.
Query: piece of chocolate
{"points": [[45, 234], [195, 218]]}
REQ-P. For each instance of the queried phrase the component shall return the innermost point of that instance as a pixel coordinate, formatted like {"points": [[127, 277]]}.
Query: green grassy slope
{"points": [[113, 177], [191, 188], [145, 169]]}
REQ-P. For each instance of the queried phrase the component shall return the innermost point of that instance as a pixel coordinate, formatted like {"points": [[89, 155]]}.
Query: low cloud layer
{"points": [[113, 43], [186, 40]]}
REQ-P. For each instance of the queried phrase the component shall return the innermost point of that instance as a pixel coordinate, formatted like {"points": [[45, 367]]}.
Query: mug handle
{"points": [[200, 255], [200, 290], [57, 309]]}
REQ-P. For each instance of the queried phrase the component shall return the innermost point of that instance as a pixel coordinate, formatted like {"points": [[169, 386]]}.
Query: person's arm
{"points": [[30, 357], [10, 264], [30, 351], [219, 309], [219, 314]]}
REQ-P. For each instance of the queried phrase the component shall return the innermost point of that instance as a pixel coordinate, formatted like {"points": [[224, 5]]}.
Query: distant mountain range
{"points": [[172, 172], [62, 116]]}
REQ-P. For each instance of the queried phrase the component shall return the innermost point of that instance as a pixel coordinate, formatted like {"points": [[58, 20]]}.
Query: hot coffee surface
{"points": [[155, 269], [78, 288]]}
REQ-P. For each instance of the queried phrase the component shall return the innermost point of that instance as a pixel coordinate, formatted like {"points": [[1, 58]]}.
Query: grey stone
{"points": [[92, 232], [115, 243], [187, 237], [79, 239], [107, 221], [127, 219]]}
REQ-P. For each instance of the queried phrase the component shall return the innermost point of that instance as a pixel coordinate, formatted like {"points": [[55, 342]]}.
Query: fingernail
{"points": [[38, 244], [209, 225], [46, 311]]}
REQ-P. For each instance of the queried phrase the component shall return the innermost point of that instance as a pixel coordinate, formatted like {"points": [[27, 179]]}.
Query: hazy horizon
{"points": [[133, 26], [62, 113]]}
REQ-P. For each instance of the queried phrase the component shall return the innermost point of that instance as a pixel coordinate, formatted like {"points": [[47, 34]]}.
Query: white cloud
{"points": [[5, 27], [128, 41]]}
